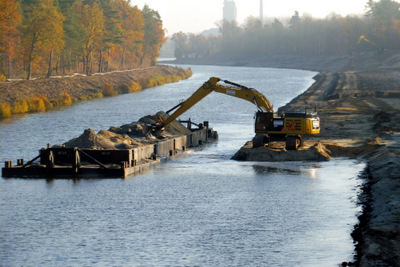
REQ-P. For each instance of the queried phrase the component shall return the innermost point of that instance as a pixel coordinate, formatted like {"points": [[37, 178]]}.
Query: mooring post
{"points": [[76, 163], [49, 162], [50, 159]]}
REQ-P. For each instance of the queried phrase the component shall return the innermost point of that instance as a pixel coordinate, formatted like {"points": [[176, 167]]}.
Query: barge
{"points": [[67, 162]]}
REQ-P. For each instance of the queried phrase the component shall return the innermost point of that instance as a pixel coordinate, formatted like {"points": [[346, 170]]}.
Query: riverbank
{"points": [[369, 60], [40, 95], [360, 118], [360, 112]]}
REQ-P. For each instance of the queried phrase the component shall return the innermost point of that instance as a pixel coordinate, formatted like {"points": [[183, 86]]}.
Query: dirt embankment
{"points": [[360, 118], [78, 86]]}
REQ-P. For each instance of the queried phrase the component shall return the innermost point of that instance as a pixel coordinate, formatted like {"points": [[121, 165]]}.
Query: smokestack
{"points": [[262, 12]]}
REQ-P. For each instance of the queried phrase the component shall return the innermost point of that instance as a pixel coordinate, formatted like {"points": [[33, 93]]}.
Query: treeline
{"points": [[47, 37], [378, 29]]}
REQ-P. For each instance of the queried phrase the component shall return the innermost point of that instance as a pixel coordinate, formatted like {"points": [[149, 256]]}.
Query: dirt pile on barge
{"points": [[128, 136]]}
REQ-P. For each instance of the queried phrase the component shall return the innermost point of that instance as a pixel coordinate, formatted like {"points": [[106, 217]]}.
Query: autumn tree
{"points": [[42, 33], [112, 33], [91, 19], [73, 36], [131, 27], [154, 35], [10, 18]]}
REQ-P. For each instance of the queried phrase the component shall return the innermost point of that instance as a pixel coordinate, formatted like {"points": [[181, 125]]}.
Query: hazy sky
{"points": [[197, 15]]}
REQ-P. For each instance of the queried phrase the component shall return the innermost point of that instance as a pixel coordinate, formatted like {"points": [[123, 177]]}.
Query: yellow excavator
{"points": [[269, 126]]}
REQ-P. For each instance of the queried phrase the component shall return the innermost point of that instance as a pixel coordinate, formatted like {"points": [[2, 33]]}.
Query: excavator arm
{"points": [[212, 85]]}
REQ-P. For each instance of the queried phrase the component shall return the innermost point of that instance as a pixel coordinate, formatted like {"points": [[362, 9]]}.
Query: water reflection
{"points": [[292, 168]]}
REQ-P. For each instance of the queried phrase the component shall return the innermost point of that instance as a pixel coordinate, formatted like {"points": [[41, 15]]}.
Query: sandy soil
{"points": [[128, 136], [360, 118]]}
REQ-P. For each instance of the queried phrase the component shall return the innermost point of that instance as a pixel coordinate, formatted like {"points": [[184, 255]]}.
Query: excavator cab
{"points": [[269, 127]]}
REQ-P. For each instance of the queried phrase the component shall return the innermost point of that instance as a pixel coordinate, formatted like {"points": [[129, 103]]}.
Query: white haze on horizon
{"points": [[196, 16]]}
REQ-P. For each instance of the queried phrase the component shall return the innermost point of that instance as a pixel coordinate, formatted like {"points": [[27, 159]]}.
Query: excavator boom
{"points": [[268, 126], [212, 85]]}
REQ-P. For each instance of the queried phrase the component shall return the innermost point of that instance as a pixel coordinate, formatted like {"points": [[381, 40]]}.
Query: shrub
{"points": [[186, 73], [5, 110], [3, 78], [20, 106], [151, 82], [168, 79], [159, 78], [123, 89], [46, 102], [98, 95], [66, 99], [143, 83], [134, 87], [36, 104], [108, 89]]}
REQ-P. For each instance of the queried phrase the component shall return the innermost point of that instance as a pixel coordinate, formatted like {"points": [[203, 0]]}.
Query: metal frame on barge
{"points": [[62, 162]]}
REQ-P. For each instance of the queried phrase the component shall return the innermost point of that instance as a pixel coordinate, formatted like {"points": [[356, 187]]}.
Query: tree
{"points": [[91, 19], [154, 35], [42, 33], [74, 34], [253, 28], [180, 40], [10, 18], [231, 34], [386, 19], [113, 35], [131, 27]]}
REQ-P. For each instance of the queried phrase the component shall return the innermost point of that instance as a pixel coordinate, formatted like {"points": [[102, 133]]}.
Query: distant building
{"points": [[229, 12]]}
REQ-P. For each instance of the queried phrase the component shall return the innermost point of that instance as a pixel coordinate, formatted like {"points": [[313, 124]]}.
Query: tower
{"points": [[262, 12], [229, 11]]}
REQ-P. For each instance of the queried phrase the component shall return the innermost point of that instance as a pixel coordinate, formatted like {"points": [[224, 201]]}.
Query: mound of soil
{"points": [[89, 139], [316, 152], [129, 135]]}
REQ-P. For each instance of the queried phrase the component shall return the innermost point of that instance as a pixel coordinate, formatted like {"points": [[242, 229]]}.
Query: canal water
{"points": [[200, 210]]}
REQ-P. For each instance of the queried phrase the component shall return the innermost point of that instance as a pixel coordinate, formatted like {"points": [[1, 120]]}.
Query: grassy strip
{"points": [[42, 104]]}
